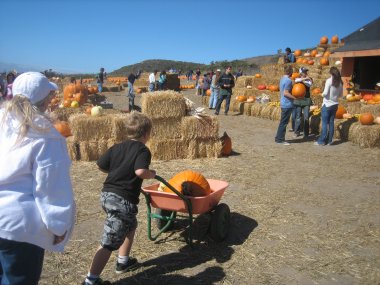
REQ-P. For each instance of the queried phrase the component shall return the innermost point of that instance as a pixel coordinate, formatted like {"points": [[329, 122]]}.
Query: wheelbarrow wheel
{"points": [[220, 222], [165, 213]]}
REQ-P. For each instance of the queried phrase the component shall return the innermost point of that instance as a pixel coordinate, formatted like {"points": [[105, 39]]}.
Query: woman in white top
{"points": [[332, 92], [36, 200]]}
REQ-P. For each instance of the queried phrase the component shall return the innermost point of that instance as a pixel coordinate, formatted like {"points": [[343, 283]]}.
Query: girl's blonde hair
{"points": [[25, 113], [138, 125]]}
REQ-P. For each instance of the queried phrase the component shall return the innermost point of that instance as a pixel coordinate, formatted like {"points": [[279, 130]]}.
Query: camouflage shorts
{"points": [[121, 219]]}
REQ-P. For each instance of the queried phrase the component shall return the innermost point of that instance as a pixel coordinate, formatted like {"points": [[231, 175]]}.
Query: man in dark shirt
{"points": [[226, 83], [100, 80]]}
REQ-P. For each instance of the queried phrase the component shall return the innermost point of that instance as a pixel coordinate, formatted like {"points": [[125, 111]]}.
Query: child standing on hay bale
{"points": [[332, 92], [127, 164]]}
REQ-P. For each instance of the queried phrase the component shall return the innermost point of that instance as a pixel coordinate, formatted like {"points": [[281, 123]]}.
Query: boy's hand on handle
{"points": [[153, 172], [59, 239]]}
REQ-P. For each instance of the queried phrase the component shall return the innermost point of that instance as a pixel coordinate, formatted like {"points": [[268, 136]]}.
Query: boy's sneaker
{"points": [[97, 281], [131, 264]]}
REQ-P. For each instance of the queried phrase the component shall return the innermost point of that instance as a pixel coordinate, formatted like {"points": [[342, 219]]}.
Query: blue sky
{"points": [[82, 35]]}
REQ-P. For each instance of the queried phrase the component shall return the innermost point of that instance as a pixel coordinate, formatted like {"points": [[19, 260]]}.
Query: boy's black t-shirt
{"points": [[121, 161]]}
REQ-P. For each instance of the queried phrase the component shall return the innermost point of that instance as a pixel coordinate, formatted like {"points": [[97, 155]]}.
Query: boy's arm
{"points": [[145, 173]]}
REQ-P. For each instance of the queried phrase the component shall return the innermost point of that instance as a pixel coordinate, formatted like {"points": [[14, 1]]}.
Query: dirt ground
{"points": [[300, 214]]}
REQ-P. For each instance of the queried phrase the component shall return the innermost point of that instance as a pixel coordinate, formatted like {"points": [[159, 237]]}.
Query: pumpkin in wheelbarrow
{"points": [[190, 183]]}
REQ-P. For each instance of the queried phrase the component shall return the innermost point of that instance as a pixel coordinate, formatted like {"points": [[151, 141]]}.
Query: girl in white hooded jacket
{"points": [[37, 207]]}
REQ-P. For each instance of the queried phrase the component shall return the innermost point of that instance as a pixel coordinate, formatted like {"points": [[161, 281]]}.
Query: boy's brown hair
{"points": [[288, 70], [137, 125]]}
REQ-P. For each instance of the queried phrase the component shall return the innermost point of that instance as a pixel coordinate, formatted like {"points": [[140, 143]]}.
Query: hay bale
{"points": [[199, 148], [167, 149], [237, 106], [266, 112], [354, 107], [91, 128], [163, 105], [92, 150], [274, 96], [256, 109], [365, 136], [73, 148], [342, 128], [63, 114], [142, 81], [373, 109], [205, 100], [200, 127], [276, 114], [169, 128], [244, 81], [247, 108], [240, 91]]}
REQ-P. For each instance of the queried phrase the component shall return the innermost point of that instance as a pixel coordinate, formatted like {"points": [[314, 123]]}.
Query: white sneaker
{"points": [[283, 143]]}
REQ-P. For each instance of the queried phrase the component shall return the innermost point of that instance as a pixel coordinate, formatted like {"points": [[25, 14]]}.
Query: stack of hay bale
{"points": [[92, 136], [175, 135]]}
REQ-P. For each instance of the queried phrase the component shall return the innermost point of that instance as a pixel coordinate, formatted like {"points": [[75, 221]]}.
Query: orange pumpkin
{"points": [[371, 102], [299, 60], [305, 61], [324, 61], [67, 103], [326, 54], [366, 119], [335, 39], [299, 90], [295, 75], [138, 90], [310, 62], [190, 183], [241, 98], [63, 128], [339, 113], [258, 75], [376, 97], [297, 52], [314, 52], [324, 40], [316, 91], [208, 92], [273, 88], [226, 144]]}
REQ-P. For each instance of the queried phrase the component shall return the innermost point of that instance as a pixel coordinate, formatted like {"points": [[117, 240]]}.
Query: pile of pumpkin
{"points": [[247, 99], [364, 118], [270, 87], [75, 95], [117, 80], [189, 86]]}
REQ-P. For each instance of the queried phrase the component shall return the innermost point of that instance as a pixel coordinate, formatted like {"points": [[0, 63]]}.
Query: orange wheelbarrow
{"points": [[168, 205]]}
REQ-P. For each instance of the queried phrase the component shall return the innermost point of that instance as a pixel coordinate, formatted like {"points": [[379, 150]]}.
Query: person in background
{"points": [[127, 165], [162, 80], [73, 80], [10, 78], [100, 79], [131, 94], [332, 92], [37, 208], [3, 85], [152, 81], [226, 83], [206, 84], [302, 105], [214, 90], [190, 75], [289, 56], [238, 74], [197, 76], [286, 104]]}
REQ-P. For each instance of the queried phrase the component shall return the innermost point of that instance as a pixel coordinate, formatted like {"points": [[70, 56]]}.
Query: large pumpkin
{"points": [[241, 98], [324, 61], [339, 113], [324, 40], [208, 92], [368, 97], [335, 39], [366, 119], [190, 183], [258, 75], [295, 75], [299, 90], [314, 52], [226, 144], [63, 128]]}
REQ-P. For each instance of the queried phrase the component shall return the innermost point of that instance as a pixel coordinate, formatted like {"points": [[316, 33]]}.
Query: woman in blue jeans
{"points": [[332, 92]]}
